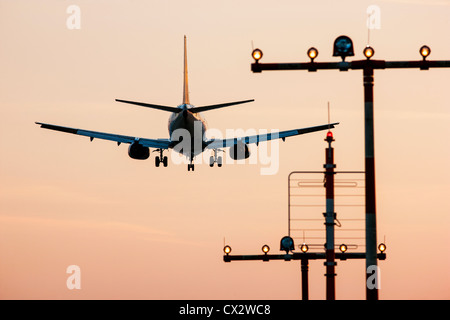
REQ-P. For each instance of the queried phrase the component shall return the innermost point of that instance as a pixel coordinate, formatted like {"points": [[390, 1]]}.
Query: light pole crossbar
{"points": [[299, 256], [350, 65]]}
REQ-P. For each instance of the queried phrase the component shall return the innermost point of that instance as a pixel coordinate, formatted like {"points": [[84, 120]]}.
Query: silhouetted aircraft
{"points": [[186, 121]]}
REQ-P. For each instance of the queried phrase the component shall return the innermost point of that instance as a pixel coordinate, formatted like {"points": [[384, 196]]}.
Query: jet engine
{"points": [[138, 151], [239, 151]]}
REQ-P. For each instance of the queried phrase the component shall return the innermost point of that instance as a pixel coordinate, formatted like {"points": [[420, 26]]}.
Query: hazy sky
{"points": [[140, 232]]}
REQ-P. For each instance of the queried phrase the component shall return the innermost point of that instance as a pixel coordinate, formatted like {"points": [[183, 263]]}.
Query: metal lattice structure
{"points": [[306, 205]]}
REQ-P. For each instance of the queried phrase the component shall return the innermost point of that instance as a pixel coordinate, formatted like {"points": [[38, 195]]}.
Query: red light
{"points": [[329, 134]]}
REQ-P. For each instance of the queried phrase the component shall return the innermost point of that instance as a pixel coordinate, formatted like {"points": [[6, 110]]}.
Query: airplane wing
{"points": [[223, 143], [151, 143]]}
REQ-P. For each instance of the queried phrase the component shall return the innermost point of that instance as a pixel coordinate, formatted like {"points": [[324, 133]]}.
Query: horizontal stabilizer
{"points": [[217, 106], [154, 106]]}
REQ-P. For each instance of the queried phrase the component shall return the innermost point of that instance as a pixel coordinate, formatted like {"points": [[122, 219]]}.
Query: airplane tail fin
{"points": [[185, 81], [185, 96], [186, 91]]}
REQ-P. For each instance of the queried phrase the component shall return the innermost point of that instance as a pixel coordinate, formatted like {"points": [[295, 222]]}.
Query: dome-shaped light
{"points": [[257, 54], [304, 247], [382, 247], [265, 248], [287, 244], [425, 51], [329, 137], [227, 250], [312, 53], [343, 47], [343, 248], [368, 52]]}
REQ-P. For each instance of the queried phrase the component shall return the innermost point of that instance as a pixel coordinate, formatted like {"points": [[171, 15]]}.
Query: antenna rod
{"points": [[329, 116]]}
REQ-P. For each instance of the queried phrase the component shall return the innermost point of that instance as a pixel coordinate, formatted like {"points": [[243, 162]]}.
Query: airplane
{"points": [[187, 117]]}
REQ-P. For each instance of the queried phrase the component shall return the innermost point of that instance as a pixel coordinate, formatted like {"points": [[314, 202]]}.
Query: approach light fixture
{"points": [[265, 248], [312, 53], [368, 52], [382, 247], [304, 247], [329, 137], [227, 250], [287, 244], [257, 54], [343, 248], [343, 47], [425, 51]]}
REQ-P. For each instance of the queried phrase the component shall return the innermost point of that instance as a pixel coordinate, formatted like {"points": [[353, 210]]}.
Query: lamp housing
{"points": [[368, 52], [287, 244], [312, 53], [343, 47], [257, 54], [227, 250]]}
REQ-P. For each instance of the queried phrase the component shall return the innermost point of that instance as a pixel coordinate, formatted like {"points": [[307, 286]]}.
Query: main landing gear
{"points": [[160, 158], [215, 159]]}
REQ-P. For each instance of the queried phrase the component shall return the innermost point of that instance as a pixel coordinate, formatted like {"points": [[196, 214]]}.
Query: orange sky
{"points": [[140, 232]]}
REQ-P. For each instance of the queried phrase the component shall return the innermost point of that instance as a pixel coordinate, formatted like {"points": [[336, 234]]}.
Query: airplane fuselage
{"points": [[194, 124]]}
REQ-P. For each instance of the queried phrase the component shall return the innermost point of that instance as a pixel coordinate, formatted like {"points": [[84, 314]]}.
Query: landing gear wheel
{"points": [[160, 158], [215, 159], [190, 166]]}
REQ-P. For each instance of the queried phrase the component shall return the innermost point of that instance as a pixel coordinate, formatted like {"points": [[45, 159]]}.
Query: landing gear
{"points": [[158, 161], [161, 158], [215, 159], [191, 165]]}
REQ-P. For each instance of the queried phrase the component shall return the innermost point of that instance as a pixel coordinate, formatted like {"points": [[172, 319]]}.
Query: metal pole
{"points": [[371, 224], [304, 268], [330, 216], [289, 204]]}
